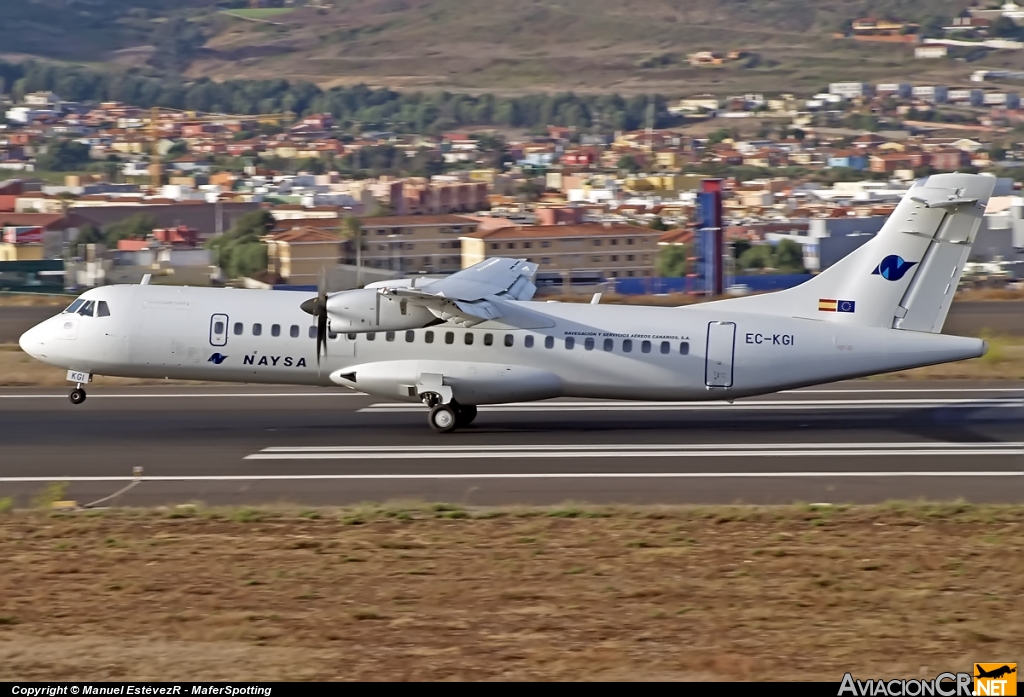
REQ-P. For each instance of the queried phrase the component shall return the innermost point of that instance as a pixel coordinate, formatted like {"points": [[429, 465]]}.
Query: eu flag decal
{"points": [[830, 305]]}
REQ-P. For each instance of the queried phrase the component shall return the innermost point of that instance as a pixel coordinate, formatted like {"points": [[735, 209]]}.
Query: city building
{"points": [[609, 250]]}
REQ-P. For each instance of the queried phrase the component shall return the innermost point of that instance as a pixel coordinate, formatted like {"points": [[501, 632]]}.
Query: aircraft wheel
{"points": [[77, 395], [466, 412], [443, 418]]}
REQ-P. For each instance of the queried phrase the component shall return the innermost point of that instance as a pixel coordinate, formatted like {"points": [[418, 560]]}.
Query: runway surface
{"points": [[862, 441], [965, 319]]}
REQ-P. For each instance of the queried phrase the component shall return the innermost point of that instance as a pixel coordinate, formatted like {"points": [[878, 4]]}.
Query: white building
{"points": [[973, 97], [43, 99], [850, 90], [936, 94], [1010, 100], [24, 114], [902, 90], [931, 51]]}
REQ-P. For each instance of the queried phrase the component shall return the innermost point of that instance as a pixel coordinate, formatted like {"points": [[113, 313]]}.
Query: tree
{"points": [[627, 163], [352, 229], [658, 224], [178, 149], [757, 257], [789, 257], [530, 190], [672, 261], [87, 234], [136, 227], [1004, 27], [240, 250], [64, 156]]}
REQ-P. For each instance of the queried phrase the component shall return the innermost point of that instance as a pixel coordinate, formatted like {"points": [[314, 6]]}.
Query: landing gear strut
{"points": [[77, 395]]}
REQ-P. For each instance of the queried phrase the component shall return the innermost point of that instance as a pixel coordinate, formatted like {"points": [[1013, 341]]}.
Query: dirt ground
{"points": [[420, 592]]}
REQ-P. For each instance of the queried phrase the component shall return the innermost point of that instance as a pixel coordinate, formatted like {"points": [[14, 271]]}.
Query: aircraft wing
{"points": [[473, 295]]}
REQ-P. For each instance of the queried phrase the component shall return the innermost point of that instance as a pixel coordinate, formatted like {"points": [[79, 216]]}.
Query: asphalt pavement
{"points": [[861, 441]]}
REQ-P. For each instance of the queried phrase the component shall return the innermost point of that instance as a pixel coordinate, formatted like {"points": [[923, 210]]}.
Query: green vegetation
{"points": [[353, 106], [785, 257], [240, 250], [672, 261]]}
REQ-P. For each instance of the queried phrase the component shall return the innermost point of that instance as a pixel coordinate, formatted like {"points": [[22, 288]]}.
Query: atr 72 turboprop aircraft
{"points": [[476, 337]]}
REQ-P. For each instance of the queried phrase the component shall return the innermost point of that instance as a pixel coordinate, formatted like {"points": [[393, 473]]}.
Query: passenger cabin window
{"points": [[370, 336], [588, 344], [257, 329], [312, 332], [645, 346], [627, 345], [609, 345], [218, 327], [449, 337], [275, 330], [239, 328], [351, 337], [389, 336], [429, 337], [103, 311], [410, 336], [665, 348], [509, 339], [469, 338], [488, 339], [570, 342], [549, 342], [332, 335], [294, 331], [528, 341], [684, 349]]}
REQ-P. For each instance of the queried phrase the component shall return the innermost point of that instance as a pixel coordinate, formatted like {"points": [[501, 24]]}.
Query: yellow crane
{"points": [[156, 169]]}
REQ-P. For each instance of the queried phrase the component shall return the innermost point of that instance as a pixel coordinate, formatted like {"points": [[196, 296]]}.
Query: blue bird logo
{"points": [[893, 268], [217, 358]]}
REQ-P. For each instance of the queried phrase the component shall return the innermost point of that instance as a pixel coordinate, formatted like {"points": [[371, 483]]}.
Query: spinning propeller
{"points": [[318, 308]]}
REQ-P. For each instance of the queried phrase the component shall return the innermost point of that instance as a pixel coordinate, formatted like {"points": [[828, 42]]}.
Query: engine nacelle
{"points": [[366, 310]]}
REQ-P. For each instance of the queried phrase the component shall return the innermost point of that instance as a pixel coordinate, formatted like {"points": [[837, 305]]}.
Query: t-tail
{"points": [[904, 278]]}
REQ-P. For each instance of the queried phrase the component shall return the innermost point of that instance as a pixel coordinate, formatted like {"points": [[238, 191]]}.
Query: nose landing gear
{"points": [[77, 395]]}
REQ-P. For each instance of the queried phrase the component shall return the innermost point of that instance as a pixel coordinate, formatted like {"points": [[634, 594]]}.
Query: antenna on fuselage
{"points": [[145, 279]]}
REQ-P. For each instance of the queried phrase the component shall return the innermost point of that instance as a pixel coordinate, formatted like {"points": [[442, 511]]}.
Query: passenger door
{"points": [[718, 366], [219, 330]]}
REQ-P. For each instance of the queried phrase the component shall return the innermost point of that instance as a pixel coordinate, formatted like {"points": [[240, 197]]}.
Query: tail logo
{"points": [[893, 268], [217, 358]]}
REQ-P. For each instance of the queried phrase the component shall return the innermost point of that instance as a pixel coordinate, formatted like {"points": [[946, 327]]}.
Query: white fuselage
{"points": [[559, 350]]}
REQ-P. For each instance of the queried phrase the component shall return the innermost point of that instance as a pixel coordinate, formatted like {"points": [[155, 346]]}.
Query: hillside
{"points": [[485, 45]]}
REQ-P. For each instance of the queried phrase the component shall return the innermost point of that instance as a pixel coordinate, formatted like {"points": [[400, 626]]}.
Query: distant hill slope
{"points": [[488, 45]]}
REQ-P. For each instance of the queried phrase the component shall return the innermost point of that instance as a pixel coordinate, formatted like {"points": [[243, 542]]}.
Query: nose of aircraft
{"points": [[31, 342]]}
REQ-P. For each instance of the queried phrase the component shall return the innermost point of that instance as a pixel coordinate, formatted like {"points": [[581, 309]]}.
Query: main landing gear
{"points": [[445, 418], [77, 395]]}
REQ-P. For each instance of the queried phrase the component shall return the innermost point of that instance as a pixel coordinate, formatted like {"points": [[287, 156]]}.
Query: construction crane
{"points": [[156, 169]]}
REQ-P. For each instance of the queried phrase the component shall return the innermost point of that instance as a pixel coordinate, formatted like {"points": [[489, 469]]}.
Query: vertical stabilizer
{"points": [[905, 277]]}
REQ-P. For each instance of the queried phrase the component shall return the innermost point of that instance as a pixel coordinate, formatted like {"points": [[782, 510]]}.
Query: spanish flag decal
{"points": [[836, 306]]}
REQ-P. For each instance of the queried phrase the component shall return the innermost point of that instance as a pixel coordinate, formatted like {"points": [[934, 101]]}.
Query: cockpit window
{"points": [[88, 308], [74, 306], [102, 310]]}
